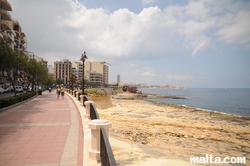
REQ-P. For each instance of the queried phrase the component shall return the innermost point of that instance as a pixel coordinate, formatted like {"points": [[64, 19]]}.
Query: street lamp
{"points": [[83, 58]]}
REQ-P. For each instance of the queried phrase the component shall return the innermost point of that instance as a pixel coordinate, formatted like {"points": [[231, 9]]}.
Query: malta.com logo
{"points": [[210, 159]]}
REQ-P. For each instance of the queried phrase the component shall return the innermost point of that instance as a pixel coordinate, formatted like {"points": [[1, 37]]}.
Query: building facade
{"points": [[118, 79], [62, 70], [20, 42], [11, 32], [95, 72], [77, 70], [102, 68]]}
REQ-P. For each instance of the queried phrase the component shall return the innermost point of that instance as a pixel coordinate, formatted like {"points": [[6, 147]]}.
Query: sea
{"points": [[226, 100]]}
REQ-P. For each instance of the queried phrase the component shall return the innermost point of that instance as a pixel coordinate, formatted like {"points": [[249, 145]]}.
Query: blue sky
{"points": [[199, 44]]}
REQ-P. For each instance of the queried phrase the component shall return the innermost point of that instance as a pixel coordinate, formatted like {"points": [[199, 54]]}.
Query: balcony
{"points": [[10, 38], [23, 40], [5, 25], [23, 34], [5, 15], [6, 5]]}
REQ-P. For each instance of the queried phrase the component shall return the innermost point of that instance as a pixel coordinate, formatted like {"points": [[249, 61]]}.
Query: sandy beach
{"points": [[151, 133]]}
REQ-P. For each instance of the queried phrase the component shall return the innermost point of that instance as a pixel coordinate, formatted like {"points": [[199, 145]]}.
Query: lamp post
{"points": [[83, 58]]}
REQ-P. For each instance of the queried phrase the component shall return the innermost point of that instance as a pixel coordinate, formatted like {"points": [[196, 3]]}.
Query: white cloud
{"points": [[140, 74], [146, 2], [235, 28], [201, 44], [66, 28], [197, 10]]}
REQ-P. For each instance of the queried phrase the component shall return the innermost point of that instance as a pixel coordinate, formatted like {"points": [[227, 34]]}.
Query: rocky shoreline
{"points": [[132, 96], [158, 132], [162, 96]]}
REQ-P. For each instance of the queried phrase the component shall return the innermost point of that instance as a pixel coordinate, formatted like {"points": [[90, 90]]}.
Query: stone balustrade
{"points": [[94, 125]]}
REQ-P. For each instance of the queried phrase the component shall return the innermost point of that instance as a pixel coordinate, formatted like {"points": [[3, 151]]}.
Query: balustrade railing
{"points": [[93, 112], [106, 153]]}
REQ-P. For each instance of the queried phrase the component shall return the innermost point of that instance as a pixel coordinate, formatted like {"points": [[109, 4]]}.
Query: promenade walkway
{"points": [[43, 131]]}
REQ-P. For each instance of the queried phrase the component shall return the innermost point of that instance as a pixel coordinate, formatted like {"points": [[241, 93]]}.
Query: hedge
{"points": [[7, 101]]}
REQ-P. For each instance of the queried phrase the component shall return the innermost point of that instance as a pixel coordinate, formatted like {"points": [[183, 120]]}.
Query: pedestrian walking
{"points": [[58, 92], [62, 91]]}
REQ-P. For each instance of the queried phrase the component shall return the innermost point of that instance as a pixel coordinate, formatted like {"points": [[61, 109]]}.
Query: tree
{"points": [[5, 56], [72, 79], [36, 72], [16, 65], [42, 74], [32, 71], [12, 62], [59, 81]]}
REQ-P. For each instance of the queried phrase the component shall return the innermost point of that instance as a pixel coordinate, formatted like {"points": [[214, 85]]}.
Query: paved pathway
{"points": [[43, 131]]}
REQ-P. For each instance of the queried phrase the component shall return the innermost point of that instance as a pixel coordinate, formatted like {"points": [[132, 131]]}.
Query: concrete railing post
{"points": [[95, 125], [78, 96], [81, 100], [87, 108]]}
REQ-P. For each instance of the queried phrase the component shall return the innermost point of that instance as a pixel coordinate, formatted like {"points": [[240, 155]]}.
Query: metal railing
{"points": [[106, 153], [85, 98], [93, 112]]}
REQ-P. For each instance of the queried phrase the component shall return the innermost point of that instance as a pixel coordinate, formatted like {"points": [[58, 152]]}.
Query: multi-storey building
{"points": [[95, 77], [77, 70], [99, 67], [118, 78], [94, 72], [6, 32], [20, 42], [11, 32], [62, 70]]}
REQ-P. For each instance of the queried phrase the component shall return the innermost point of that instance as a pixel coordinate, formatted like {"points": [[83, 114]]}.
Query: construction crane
{"points": [[103, 62]]}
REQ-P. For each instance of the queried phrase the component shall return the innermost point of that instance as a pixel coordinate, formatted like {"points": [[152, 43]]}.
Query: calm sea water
{"points": [[231, 100]]}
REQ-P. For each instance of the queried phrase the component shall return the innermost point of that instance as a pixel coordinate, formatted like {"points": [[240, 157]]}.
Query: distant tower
{"points": [[118, 79]]}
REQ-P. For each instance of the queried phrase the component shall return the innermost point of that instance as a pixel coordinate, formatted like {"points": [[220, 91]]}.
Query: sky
{"points": [[199, 44]]}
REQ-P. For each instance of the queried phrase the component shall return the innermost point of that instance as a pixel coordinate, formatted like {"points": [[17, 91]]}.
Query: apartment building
{"points": [[6, 32], [101, 67], [62, 70], [11, 30], [20, 42], [77, 70], [118, 79], [94, 72]]}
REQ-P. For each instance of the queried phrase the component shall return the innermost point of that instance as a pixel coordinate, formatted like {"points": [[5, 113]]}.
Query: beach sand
{"points": [[151, 133]]}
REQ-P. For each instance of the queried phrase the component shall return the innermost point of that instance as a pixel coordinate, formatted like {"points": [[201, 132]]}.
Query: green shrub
{"points": [[8, 101], [93, 92]]}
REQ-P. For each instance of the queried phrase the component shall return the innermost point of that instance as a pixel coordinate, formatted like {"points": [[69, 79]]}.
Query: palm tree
{"points": [[72, 80]]}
